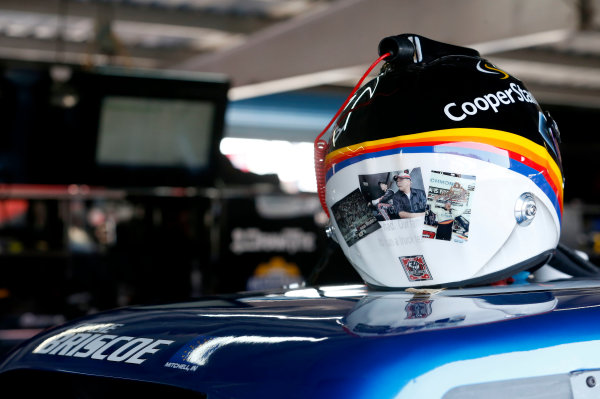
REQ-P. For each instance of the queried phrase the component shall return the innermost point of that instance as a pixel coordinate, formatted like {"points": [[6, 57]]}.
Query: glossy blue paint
{"points": [[340, 342]]}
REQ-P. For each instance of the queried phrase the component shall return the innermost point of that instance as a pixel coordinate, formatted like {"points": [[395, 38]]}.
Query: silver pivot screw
{"points": [[590, 381], [330, 232], [525, 209]]}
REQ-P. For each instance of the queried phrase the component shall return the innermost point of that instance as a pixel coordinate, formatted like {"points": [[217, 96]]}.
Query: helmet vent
{"points": [[410, 48]]}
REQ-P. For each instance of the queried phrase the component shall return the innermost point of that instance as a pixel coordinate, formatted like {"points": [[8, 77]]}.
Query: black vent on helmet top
{"points": [[410, 48]]}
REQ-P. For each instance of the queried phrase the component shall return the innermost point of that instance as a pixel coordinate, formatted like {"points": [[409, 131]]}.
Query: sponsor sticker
{"points": [[489, 102], [181, 359], [415, 268], [492, 69]]}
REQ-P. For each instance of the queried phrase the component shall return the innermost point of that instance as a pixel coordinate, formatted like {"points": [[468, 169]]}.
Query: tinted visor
{"points": [[549, 131]]}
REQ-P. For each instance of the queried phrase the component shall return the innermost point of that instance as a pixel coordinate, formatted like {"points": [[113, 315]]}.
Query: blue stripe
{"points": [[401, 150], [538, 178], [534, 175]]}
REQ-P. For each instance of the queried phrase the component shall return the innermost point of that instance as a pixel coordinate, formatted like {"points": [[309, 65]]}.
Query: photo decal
{"points": [[394, 195], [448, 212], [354, 217]]}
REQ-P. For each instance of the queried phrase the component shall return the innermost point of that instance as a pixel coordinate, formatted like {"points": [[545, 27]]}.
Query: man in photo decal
{"points": [[408, 202], [384, 204], [445, 220]]}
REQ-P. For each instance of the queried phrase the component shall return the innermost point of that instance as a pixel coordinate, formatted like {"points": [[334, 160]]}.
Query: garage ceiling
{"points": [[269, 46]]}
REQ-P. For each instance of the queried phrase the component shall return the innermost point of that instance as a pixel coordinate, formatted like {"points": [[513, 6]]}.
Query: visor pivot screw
{"points": [[590, 381], [530, 210], [330, 232], [525, 209]]}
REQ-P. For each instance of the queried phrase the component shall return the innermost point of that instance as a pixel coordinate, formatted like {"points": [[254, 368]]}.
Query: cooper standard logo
{"points": [[415, 268]]}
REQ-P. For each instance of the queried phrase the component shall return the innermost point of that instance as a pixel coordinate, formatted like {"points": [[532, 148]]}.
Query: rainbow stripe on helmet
{"points": [[524, 156]]}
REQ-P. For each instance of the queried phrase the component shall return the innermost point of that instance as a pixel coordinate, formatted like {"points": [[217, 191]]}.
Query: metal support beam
{"points": [[132, 12], [347, 34]]}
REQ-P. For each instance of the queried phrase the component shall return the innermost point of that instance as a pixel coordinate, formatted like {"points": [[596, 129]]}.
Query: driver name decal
{"points": [[96, 342]]}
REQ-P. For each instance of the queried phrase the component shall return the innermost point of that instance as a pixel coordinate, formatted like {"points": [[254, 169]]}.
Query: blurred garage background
{"points": [[159, 150]]}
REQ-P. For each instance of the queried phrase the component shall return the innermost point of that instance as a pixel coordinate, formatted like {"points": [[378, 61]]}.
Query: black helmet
{"points": [[465, 132]]}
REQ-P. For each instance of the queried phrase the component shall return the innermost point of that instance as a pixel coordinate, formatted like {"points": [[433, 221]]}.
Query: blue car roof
{"points": [[345, 341]]}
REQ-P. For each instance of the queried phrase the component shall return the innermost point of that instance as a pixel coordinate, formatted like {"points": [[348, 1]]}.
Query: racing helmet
{"points": [[472, 164]]}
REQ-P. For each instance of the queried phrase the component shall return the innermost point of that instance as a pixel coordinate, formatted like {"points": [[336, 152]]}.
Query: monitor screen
{"points": [[154, 132], [110, 127]]}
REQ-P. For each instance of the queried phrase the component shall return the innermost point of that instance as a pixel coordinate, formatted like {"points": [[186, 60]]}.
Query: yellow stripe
{"points": [[496, 138]]}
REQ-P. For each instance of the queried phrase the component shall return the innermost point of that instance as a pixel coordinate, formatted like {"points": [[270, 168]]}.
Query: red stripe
{"points": [[480, 146]]}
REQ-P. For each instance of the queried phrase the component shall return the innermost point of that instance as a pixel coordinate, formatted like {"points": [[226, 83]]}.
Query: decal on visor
{"points": [[354, 217], [415, 268], [449, 206], [395, 194], [504, 149]]}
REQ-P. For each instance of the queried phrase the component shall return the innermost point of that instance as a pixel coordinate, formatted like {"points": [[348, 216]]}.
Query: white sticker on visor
{"points": [[449, 203]]}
